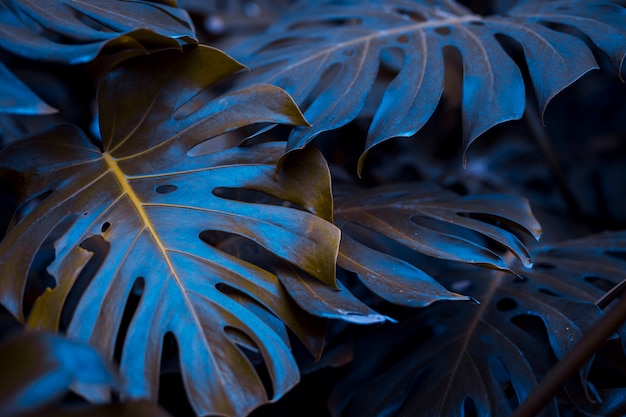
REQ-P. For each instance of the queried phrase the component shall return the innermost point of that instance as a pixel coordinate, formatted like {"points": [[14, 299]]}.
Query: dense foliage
{"points": [[325, 208]]}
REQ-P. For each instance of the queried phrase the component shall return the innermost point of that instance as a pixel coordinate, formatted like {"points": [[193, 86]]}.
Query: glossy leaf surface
{"points": [[430, 221], [72, 31], [457, 358], [328, 56], [135, 221]]}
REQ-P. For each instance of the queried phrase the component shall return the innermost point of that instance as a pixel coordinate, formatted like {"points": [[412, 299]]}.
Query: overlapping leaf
{"points": [[72, 31], [327, 56], [456, 359], [39, 368], [430, 221], [138, 215]]}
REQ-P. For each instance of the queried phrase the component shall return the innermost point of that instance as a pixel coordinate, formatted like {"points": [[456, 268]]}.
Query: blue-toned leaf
{"points": [[17, 98], [460, 358], [327, 56], [137, 220], [39, 368], [432, 221], [73, 31]]}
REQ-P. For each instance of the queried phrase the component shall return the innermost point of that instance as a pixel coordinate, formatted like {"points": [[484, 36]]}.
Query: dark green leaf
{"points": [[328, 56], [136, 221]]}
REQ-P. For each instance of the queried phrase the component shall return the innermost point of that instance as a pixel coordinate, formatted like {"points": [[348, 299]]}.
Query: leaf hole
{"points": [[403, 39], [172, 393], [548, 292], [600, 283], [444, 31], [410, 14], [544, 266], [105, 227], [506, 304], [469, 408], [477, 23], [503, 376], [535, 327], [100, 249], [253, 196], [314, 25], [166, 189], [295, 42], [38, 278], [130, 307]]}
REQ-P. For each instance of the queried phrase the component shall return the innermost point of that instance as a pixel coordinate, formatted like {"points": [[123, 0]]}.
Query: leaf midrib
{"points": [[139, 207]]}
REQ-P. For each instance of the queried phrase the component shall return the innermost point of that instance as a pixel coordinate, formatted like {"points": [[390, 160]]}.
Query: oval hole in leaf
{"points": [[506, 304], [100, 249], [469, 408], [410, 14], [166, 188], [503, 376], [38, 278], [535, 327], [285, 43], [600, 283], [172, 393], [214, 145], [253, 196], [105, 227], [548, 292], [130, 307], [445, 31]]}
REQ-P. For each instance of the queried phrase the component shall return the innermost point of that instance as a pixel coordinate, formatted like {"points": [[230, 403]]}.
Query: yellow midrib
{"points": [[138, 205]]}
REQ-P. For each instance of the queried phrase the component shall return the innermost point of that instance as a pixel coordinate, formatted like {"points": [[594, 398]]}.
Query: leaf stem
{"points": [[564, 369]]}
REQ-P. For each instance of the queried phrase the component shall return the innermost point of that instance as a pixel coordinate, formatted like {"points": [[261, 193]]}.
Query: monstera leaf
{"points": [[75, 32], [41, 367], [132, 225], [456, 359], [327, 56], [431, 221]]}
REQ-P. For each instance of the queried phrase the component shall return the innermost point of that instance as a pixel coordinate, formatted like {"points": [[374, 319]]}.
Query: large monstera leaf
{"points": [[455, 359], [426, 220], [134, 222], [327, 56], [73, 32]]}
